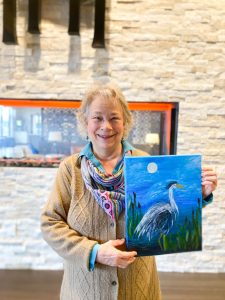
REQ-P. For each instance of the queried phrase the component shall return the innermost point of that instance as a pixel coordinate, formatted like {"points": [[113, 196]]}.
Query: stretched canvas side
{"points": [[163, 204]]}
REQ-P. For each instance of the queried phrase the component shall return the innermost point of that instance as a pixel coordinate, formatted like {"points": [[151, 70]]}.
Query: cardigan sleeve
{"points": [[207, 200], [68, 243]]}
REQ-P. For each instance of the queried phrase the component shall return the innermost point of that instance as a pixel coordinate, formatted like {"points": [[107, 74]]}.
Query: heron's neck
{"points": [[172, 201]]}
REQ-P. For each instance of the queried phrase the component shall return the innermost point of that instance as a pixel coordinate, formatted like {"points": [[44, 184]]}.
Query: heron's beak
{"points": [[180, 186]]}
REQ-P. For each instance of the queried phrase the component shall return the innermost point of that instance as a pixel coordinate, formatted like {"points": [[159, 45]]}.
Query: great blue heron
{"points": [[160, 217]]}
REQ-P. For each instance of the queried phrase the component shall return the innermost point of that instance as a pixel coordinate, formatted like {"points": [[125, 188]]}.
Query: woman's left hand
{"points": [[209, 181]]}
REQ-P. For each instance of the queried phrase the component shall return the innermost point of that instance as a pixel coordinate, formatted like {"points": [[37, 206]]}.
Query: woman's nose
{"points": [[106, 124]]}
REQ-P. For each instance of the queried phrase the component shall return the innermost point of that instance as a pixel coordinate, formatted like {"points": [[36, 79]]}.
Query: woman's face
{"points": [[105, 124]]}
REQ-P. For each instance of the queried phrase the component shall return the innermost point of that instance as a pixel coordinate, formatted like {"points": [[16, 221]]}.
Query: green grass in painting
{"points": [[134, 214], [188, 237]]}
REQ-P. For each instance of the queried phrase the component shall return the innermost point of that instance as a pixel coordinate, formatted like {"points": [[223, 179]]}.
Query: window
{"points": [[41, 133]]}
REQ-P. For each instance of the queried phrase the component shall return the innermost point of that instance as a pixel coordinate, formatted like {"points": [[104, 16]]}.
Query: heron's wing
{"points": [[159, 218], [145, 227], [164, 220]]}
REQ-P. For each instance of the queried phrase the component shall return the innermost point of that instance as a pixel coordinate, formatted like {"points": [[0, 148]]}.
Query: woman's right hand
{"points": [[109, 255]]}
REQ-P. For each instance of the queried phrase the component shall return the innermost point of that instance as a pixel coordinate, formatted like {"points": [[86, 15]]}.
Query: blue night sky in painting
{"points": [[149, 176]]}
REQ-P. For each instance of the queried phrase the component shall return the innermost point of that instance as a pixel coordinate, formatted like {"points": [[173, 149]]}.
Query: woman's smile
{"points": [[105, 137]]}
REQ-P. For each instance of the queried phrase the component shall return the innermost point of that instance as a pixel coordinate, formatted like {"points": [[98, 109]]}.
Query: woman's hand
{"points": [[109, 255], [209, 181]]}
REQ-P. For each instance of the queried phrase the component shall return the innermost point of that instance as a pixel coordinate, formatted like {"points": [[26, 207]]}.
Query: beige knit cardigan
{"points": [[72, 222]]}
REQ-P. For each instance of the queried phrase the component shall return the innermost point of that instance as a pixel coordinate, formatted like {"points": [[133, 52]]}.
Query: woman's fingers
{"points": [[108, 254], [209, 180], [209, 176], [117, 243], [126, 263]]}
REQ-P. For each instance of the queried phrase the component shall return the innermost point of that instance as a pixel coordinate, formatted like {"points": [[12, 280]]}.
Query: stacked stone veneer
{"points": [[156, 51]]}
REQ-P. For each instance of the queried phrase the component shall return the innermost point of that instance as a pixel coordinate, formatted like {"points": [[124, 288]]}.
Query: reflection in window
{"points": [[6, 114], [43, 136]]}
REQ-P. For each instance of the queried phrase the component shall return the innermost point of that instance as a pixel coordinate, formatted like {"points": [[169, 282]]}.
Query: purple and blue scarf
{"points": [[108, 190]]}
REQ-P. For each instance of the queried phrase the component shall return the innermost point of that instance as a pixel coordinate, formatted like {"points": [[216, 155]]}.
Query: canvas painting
{"points": [[163, 199]]}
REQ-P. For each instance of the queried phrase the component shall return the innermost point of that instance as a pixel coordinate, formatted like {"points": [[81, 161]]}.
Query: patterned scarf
{"points": [[100, 185]]}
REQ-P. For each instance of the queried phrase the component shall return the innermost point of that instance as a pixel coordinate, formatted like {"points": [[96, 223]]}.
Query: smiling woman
{"points": [[83, 219], [106, 120], [105, 126]]}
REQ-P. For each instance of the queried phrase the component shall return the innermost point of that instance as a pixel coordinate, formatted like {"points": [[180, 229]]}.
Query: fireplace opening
{"points": [[37, 133]]}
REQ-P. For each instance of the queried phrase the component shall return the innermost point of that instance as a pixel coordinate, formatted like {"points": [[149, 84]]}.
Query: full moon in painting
{"points": [[152, 167]]}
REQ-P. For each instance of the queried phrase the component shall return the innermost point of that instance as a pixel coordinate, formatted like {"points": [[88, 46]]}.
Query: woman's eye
{"points": [[97, 118]]}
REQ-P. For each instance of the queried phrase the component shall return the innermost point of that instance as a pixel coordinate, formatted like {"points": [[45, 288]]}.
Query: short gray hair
{"points": [[107, 91]]}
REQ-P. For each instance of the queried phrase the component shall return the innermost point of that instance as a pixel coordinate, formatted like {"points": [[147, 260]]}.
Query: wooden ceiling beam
{"points": [[9, 22], [99, 31], [34, 9], [74, 17], [34, 12]]}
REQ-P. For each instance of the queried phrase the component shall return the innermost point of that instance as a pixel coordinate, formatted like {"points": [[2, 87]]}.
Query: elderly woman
{"points": [[83, 220]]}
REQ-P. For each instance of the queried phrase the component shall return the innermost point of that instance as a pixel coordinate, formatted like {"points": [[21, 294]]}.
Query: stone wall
{"points": [[156, 51]]}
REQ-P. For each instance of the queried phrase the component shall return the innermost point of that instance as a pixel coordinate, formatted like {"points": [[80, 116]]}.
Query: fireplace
{"points": [[40, 133]]}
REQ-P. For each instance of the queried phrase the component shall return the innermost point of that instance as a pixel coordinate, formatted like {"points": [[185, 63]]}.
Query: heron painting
{"points": [[163, 204]]}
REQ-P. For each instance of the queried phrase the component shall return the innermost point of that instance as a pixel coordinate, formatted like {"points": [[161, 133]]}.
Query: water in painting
{"points": [[163, 204]]}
